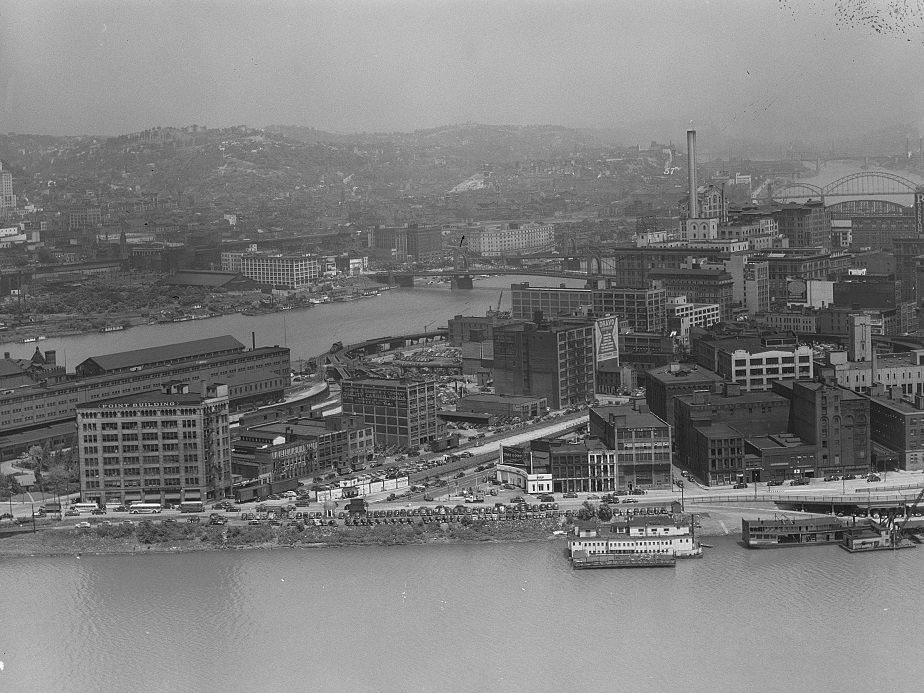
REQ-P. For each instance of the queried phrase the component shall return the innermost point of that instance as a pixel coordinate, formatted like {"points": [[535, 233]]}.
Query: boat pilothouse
{"points": [[637, 541]]}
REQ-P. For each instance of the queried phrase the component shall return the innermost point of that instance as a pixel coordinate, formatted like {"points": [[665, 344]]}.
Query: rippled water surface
{"points": [[461, 617]]}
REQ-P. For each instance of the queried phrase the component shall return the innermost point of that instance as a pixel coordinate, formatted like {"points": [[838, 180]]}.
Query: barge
{"points": [[787, 531], [874, 536]]}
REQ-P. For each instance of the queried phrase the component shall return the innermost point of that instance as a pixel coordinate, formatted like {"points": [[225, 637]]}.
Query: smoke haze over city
{"points": [[755, 71]]}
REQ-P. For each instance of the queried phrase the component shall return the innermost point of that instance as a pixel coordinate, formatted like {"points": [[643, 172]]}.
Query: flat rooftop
{"points": [[678, 373], [633, 418]]}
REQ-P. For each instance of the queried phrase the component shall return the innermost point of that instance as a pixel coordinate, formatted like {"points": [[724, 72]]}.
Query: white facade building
{"points": [[293, 271], [495, 240]]}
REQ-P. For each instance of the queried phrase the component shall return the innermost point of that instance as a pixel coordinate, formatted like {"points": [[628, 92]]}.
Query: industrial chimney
{"points": [[691, 172]]}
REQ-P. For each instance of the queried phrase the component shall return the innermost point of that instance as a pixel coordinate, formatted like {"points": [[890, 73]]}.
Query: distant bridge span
{"points": [[856, 184]]}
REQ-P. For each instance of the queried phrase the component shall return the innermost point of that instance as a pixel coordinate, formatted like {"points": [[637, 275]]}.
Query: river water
{"points": [[307, 332], [462, 617]]}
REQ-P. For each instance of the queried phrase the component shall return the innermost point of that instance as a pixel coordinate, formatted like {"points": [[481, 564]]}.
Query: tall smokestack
{"points": [[691, 172]]}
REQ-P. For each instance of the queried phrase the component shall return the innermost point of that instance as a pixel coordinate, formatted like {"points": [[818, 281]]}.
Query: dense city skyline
{"points": [[752, 70]]}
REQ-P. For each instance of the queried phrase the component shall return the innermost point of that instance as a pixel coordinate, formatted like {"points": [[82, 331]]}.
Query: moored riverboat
{"points": [[789, 531], [634, 542]]}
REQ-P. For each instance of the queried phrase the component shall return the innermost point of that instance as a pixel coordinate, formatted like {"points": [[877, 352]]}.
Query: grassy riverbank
{"points": [[150, 537]]}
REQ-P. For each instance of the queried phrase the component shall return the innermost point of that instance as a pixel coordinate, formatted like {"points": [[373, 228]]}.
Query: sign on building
{"points": [[796, 291], [606, 339]]}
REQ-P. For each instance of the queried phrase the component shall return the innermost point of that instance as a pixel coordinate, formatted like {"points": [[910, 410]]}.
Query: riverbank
{"points": [[183, 537], [155, 537]]}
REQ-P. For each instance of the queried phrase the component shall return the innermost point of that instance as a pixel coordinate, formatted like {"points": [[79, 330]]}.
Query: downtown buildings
{"points": [[167, 446]]}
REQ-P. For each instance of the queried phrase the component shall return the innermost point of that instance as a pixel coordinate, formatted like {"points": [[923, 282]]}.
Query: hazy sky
{"points": [[806, 67]]}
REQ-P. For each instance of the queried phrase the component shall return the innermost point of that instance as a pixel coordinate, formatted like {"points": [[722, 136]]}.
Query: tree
{"points": [[605, 512], [587, 511]]}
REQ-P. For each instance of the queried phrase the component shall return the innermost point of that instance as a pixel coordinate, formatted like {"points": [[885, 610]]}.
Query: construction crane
{"points": [[901, 530], [499, 299]]}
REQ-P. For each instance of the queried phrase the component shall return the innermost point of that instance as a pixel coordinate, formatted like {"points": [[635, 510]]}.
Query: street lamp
{"points": [[680, 484]]}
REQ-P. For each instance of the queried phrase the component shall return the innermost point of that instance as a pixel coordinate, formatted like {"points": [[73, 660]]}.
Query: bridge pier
{"points": [[461, 281], [405, 280]]}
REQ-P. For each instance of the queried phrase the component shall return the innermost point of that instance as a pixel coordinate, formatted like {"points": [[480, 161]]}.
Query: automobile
{"points": [[168, 521], [774, 482], [740, 484], [684, 473], [622, 492], [83, 525], [630, 500], [220, 521], [194, 519], [799, 482], [873, 477], [832, 477], [255, 522], [459, 475], [467, 453], [71, 513], [127, 523], [850, 477], [593, 496], [6, 516], [427, 497], [120, 509], [638, 491], [98, 511], [570, 494]]}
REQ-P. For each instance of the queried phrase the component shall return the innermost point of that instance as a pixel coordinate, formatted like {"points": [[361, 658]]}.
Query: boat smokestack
{"points": [[691, 172]]}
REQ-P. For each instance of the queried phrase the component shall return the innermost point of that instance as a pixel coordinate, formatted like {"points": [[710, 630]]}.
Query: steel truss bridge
{"points": [[855, 185]]}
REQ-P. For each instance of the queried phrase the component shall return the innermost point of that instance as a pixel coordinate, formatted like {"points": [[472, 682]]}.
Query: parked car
{"points": [[774, 482], [740, 485], [799, 482], [832, 477], [570, 494], [71, 513], [83, 525], [850, 477], [873, 477], [630, 500]]}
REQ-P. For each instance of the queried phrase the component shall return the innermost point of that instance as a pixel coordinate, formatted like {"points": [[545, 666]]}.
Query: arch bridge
{"points": [[856, 184]]}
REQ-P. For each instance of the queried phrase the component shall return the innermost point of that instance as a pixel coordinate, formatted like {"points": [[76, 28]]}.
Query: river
{"points": [[476, 617], [307, 332]]}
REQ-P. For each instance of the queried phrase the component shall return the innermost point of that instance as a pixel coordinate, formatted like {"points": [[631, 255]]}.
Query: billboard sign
{"points": [[796, 290], [606, 339]]}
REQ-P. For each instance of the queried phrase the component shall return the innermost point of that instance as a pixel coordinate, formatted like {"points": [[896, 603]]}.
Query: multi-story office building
{"points": [[339, 441], [289, 271], [642, 310], [906, 250], [664, 383], [424, 243], [806, 225], [710, 429], [754, 362], [835, 420], [896, 423], [582, 466], [642, 443], [554, 360], [904, 370], [271, 457], [511, 238], [401, 411], [166, 447], [756, 287], [784, 264], [526, 300], [683, 316], [699, 286], [7, 198]]}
